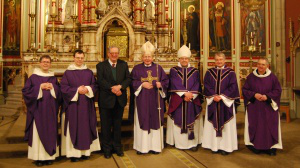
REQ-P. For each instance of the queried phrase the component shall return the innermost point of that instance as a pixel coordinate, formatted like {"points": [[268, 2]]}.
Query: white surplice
{"points": [[144, 141], [228, 141]]}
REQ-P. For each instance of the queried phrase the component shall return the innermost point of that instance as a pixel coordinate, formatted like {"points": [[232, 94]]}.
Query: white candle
{"points": [[32, 9], [169, 12], [33, 45], [172, 4], [174, 45], [189, 45], [53, 7], [77, 44], [54, 45], [184, 13], [74, 9]]}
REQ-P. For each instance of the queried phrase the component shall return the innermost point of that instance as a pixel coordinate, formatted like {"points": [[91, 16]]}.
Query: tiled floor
{"points": [[174, 158]]}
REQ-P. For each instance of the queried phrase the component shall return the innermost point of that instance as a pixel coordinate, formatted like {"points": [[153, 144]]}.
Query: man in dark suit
{"points": [[113, 79]]}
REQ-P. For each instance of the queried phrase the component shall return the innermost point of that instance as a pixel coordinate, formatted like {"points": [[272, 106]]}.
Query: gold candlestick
{"points": [[169, 49], [251, 50], [32, 46], [74, 18], [53, 47], [184, 31], [153, 30]]}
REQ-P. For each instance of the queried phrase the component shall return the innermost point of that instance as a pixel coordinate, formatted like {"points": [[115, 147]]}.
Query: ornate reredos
{"points": [[115, 14]]}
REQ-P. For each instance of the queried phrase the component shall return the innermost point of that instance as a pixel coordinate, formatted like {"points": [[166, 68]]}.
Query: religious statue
{"points": [[102, 6], [126, 6], [149, 10]]}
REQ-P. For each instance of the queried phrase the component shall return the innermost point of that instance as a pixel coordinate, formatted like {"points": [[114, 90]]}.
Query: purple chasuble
{"points": [[185, 113], [80, 114], [43, 111], [262, 118], [147, 100], [220, 82]]}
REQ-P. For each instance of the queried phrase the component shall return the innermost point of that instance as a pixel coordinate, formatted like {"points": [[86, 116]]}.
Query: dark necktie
{"points": [[113, 65]]}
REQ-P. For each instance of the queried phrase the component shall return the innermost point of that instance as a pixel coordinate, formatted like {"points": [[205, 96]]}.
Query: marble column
{"points": [[93, 9], [137, 13], [1, 60], [280, 49]]}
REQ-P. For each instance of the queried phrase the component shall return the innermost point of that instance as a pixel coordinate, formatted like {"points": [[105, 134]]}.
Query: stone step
{"points": [[14, 98], [14, 95], [16, 103], [13, 150], [15, 87], [5, 107], [5, 112]]}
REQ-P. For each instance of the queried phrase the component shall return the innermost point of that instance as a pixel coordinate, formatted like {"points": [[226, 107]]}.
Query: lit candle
{"points": [[184, 13], [259, 47]]}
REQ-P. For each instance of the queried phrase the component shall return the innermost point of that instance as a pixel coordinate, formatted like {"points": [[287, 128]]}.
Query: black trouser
{"points": [[111, 118]]}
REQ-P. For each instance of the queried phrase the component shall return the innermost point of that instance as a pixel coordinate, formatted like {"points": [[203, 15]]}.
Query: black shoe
{"points": [[48, 162], [39, 163], [107, 155], [85, 157], [250, 147], [272, 152], [224, 153], [74, 159], [139, 153], [120, 153], [153, 152], [194, 149], [214, 152]]}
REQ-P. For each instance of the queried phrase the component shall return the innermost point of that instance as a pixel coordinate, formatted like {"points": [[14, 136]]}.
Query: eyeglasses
{"points": [[79, 58], [46, 62]]}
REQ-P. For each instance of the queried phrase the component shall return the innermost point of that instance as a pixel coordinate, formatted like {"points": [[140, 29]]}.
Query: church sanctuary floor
{"points": [[16, 156]]}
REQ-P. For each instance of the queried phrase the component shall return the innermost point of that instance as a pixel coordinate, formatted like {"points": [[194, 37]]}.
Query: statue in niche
{"points": [[149, 10], [193, 29], [67, 12], [102, 6], [126, 6]]}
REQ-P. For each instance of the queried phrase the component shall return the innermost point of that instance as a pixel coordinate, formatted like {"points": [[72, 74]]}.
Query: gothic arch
{"points": [[116, 14]]}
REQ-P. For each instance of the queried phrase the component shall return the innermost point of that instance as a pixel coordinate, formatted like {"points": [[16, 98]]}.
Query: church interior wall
{"points": [[89, 31]]}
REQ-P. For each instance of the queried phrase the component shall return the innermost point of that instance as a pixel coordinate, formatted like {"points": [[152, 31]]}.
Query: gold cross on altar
{"points": [[149, 78]]}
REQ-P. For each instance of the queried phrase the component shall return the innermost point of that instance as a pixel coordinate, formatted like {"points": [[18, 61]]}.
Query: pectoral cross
{"points": [[149, 78]]}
